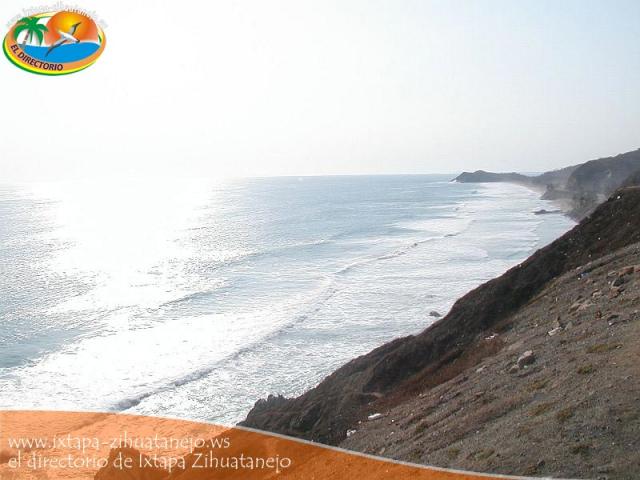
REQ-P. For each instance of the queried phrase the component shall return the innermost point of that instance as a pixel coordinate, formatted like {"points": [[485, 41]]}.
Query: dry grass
{"points": [[482, 454], [420, 429], [540, 409], [603, 347], [581, 449], [452, 364], [453, 453], [586, 369], [538, 384], [421, 415], [565, 414], [415, 455]]}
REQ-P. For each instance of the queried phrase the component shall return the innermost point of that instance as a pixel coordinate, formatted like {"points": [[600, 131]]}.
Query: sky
{"points": [[297, 87]]}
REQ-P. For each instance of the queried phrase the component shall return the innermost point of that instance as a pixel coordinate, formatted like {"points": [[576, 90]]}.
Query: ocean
{"points": [[193, 299]]}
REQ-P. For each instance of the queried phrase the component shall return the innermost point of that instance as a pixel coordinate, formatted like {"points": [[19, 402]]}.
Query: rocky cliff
{"points": [[592, 182], [408, 368], [558, 397]]}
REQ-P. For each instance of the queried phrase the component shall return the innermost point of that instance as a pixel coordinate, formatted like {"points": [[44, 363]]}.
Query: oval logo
{"points": [[54, 43]]}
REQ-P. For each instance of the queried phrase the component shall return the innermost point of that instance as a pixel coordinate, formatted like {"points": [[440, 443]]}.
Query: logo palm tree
{"points": [[33, 28]]}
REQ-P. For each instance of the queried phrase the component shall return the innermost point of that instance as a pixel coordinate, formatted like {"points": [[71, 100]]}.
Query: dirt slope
{"points": [[573, 412]]}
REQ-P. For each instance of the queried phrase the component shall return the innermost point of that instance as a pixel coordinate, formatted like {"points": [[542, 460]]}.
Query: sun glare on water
{"points": [[123, 235]]}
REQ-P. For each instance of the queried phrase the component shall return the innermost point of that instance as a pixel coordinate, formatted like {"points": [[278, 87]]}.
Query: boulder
{"points": [[619, 280], [554, 331], [615, 292], [527, 358], [626, 271]]}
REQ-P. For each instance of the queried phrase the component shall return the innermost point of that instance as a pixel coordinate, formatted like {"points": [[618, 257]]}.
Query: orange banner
{"points": [[105, 446]]}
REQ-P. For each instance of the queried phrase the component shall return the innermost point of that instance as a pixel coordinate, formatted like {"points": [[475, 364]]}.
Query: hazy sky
{"points": [[264, 87]]}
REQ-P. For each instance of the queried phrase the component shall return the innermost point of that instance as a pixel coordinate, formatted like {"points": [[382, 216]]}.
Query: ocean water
{"points": [[194, 299], [64, 53]]}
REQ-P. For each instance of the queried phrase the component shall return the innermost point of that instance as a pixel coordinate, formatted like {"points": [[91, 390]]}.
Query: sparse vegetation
{"points": [[540, 409], [586, 369], [580, 449], [482, 454], [415, 455], [453, 453], [421, 415], [531, 470], [565, 414], [421, 428], [603, 347], [538, 384]]}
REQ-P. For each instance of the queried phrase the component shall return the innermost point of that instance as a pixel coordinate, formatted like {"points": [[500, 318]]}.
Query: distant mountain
{"points": [[580, 188]]}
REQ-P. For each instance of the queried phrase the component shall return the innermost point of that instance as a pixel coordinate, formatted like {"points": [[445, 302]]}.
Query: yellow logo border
{"points": [[9, 47]]}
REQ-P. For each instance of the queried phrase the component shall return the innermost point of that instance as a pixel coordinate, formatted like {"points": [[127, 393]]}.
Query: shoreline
{"points": [[562, 204]]}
